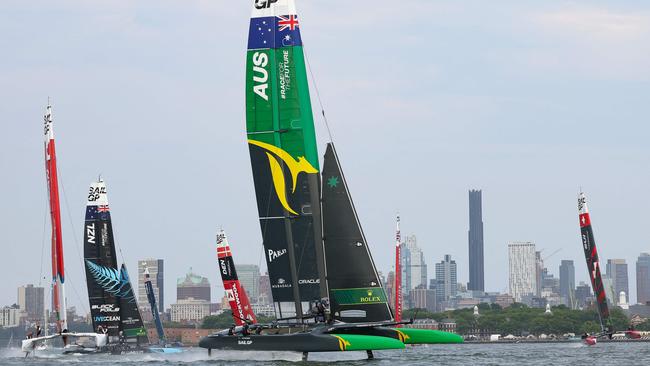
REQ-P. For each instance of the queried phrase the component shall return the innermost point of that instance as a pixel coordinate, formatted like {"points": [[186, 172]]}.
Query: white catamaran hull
{"points": [[29, 345]]}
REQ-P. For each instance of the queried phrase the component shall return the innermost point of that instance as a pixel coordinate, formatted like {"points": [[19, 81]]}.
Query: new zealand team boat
{"points": [[326, 290], [59, 307]]}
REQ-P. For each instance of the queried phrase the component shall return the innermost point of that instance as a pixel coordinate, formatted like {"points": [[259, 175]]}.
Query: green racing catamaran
{"points": [[326, 290]]}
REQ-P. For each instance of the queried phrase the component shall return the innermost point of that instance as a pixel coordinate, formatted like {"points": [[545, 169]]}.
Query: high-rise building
{"points": [[617, 271], [446, 280], [416, 268], [249, 276], [193, 286], [157, 276], [31, 301], [424, 299], [567, 280], [643, 279], [389, 286], [265, 296], [523, 269], [583, 294], [475, 240], [539, 272]]}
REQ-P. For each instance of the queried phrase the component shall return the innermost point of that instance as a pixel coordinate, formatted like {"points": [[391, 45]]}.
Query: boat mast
{"points": [[151, 296], [58, 274], [398, 275]]}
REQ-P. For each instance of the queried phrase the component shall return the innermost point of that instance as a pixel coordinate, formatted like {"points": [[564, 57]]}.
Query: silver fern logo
{"points": [[114, 282]]}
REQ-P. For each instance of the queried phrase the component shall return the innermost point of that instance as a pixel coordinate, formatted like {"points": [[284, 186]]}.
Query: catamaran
{"points": [[237, 298], [113, 305], [326, 290], [593, 266], [58, 269]]}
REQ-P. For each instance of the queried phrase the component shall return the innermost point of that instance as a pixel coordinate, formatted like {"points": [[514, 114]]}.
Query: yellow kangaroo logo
{"points": [[343, 344], [295, 167]]}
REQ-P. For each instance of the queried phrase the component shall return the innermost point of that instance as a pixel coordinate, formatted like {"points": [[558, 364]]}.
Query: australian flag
{"points": [[274, 32]]}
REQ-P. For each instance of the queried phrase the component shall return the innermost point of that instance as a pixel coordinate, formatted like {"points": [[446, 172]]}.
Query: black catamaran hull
{"points": [[314, 341]]}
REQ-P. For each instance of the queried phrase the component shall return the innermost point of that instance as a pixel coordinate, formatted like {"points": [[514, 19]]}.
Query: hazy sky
{"points": [[527, 100]]}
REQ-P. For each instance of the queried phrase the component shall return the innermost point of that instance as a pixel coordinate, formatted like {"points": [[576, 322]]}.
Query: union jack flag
{"points": [[289, 22], [102, 208]]}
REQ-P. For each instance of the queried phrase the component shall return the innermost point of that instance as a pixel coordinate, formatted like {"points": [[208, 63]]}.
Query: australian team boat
{"points": [[326, 290]]}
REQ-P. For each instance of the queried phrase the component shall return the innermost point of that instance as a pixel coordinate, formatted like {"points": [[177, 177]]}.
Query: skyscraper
{"points": [[567, 280], [414, 269], [31, 301], [643, 278], [617, 271], [192, 286], [446, 280], [475, 241], [523, 269], [249, 276], [156, 275]]}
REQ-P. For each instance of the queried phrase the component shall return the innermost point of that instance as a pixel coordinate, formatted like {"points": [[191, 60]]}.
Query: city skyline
{"points": [[513, 118]]}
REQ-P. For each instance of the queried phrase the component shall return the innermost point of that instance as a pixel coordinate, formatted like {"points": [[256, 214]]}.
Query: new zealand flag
{"points": [[274, 32]]}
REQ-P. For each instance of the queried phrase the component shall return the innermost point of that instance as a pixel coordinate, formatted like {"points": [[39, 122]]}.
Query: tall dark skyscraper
{"points": [[475, 239], [643, 278], [567, 280]]}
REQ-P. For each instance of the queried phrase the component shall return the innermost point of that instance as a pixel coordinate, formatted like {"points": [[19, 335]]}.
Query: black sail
{"points": [[356, 293], [112, 300]]}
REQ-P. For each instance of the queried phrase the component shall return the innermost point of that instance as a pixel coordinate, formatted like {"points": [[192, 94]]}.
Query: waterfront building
{"points": [[446, 280], [522, 262], [194, 287], [31, 301], [10, 316], [617, 271], [156, 269], [475, 242], [389, 286], [643, 279], [264, 287], [423, 299], [583, 294], [249, 276], [190, 310], [567, 280]]}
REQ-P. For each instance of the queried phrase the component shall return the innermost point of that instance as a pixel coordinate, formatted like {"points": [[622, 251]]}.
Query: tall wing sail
{"points": [[237, 298], [113, 304], [356, 292], [103, 278], [284, 157], [58, 272], [591, 255]]}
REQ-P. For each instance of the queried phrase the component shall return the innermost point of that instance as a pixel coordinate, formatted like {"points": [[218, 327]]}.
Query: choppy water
{"points": [[463, 354]]}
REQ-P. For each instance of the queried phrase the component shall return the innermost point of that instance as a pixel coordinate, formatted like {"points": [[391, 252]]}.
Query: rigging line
{"points": [[74, 237], [320, 102], [40, 275]]}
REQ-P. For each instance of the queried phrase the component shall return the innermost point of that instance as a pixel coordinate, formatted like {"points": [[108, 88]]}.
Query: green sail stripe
{"points": [[278, 105]]}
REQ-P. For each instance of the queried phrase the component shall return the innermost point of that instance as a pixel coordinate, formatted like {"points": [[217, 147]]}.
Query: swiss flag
{"points": [[584, 220]]}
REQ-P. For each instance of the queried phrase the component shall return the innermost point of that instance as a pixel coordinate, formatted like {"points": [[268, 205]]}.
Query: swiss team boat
{"points": [[593, 266], [326, 290], [113, 305], [59, 308]]}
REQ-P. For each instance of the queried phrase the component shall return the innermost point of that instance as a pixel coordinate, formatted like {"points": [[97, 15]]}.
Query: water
{"points": [[462, 354]]}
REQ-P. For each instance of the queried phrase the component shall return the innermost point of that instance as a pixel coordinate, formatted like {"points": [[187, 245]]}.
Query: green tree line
{"points": [[519, 319]]}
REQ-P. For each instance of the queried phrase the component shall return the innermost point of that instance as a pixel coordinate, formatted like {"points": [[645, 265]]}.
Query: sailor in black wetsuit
{"points": [[231, 330], [244, 330]]}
